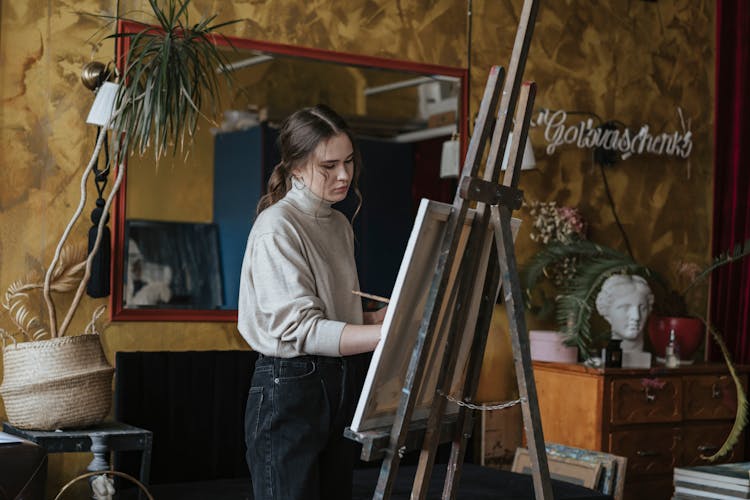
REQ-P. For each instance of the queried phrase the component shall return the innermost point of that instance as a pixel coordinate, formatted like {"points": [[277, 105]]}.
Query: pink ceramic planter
{"points": [[547, 345]]}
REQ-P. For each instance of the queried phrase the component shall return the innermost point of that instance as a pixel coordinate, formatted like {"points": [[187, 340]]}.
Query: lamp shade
{"points": [[450, 159], [103, 105], [529, 160]]}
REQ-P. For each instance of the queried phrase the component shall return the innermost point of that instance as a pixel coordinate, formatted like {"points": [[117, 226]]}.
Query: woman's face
{"points": [[329, 170]]}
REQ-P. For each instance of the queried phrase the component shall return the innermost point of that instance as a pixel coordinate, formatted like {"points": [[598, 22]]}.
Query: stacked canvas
{"points": [[720, 482]]}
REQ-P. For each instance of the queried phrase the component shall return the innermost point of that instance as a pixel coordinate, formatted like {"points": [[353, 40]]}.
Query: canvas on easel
{"points": [[382, 388]]}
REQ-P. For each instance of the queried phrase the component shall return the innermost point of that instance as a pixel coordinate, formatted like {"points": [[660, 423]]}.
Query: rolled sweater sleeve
{"points": [[288, 308]]}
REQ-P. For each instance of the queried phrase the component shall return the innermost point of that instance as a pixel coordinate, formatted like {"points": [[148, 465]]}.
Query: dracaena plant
{"points": [[169, 80]]}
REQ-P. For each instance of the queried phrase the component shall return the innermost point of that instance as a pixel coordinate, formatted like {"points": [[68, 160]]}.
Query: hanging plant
{"points": [[169, 80]]}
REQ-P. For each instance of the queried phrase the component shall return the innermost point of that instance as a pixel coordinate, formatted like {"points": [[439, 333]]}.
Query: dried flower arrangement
{"points": [[558, 225], [18, 300], [552, 223]]}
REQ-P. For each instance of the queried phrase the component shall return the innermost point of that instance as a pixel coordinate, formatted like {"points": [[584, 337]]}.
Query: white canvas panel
{"points": [[385, 378]]}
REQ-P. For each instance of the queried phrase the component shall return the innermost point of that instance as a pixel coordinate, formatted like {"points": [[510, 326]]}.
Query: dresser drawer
{"points": [[709, 397], [649, 451], [646, 400], [706, 439]]}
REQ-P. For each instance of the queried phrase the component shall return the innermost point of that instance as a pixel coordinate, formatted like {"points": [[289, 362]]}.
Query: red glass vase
{"points": [[689, 333]]}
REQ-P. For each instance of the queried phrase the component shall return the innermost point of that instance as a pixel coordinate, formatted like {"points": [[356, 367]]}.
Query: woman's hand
{"points": [[356, 339], [374, 317]]}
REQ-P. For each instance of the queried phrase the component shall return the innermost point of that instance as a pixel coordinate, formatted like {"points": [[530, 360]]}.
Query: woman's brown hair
{"points": [[299, 135]]}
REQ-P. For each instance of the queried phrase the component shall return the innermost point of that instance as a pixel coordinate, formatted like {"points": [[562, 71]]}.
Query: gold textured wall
{"points": [[635, 62], [631, 61]]}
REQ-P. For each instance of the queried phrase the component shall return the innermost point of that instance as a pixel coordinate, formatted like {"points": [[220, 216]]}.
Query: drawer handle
{"points": [[649, 395], [715, 391], [707, 448], [646, 453]]}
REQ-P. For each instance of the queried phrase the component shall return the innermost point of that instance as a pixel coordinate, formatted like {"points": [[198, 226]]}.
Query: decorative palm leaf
{"points": [[65, 278], [739, 251], [536, 269], [170, 75], [556, 251], [740, 419]]}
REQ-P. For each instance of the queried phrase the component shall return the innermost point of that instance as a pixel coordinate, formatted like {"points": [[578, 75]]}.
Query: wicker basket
{"points": [[55, 384]]}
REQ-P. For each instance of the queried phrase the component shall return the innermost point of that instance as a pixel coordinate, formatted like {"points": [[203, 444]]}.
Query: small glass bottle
{"points": [[671, 352], [612, 354]]}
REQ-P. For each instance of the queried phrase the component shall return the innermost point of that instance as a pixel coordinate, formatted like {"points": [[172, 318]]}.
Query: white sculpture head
{"points": [[625, 302]]}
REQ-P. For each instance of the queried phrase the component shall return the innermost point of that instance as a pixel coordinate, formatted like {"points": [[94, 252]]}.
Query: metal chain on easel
{"points": [[472, 406]]}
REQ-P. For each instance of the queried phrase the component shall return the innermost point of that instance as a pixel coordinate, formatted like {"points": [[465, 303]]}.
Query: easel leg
{"points": [[466, 416], [521, 351]]}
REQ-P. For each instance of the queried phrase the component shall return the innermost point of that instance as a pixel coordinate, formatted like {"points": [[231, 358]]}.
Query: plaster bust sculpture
{"points": [[625, 302]]}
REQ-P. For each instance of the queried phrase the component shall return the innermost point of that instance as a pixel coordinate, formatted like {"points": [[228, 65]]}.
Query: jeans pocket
{"points": [[295, 370], [252, 412]]}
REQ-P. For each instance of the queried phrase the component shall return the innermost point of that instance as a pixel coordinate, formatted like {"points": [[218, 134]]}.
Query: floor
{"points": [[477, 483]]}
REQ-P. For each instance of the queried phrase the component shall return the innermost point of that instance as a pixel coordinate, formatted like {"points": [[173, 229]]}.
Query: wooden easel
{"points": [[473, 303]]}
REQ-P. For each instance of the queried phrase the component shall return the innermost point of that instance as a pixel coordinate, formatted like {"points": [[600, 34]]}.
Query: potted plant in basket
{"points": [[595, 263], [169, 78]]}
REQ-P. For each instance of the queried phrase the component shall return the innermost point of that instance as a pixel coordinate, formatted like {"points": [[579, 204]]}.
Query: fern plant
{"points": [[576, 298]]}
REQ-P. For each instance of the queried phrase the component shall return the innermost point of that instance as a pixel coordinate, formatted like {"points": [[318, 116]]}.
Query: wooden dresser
{"points": [[657, 418]]}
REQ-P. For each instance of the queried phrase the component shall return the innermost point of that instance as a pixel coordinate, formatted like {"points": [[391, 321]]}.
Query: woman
{"points": [[296, 308]]}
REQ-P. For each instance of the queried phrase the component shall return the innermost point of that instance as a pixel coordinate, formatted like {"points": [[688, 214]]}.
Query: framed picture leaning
{"points": [[172, 264]]}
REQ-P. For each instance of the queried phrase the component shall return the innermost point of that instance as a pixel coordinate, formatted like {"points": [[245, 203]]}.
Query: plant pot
{"points": [[547, 345], [57, 383], [689, 333]]}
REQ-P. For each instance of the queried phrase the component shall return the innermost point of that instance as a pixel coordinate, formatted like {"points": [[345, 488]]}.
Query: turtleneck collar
{"points": [[308, 202]]}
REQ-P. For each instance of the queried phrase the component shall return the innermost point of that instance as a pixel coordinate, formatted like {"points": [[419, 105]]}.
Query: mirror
{"points": [[180, 225]]}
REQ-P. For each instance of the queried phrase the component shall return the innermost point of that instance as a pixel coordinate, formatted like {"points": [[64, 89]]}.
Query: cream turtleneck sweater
{"points": [[297, 276]]}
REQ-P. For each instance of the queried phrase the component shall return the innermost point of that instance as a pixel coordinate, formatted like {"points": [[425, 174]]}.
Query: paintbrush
{"points": [[371, 296]]}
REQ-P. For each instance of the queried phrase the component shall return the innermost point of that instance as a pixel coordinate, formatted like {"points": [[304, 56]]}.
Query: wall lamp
{"points": [[95, 77], [450, 159]]}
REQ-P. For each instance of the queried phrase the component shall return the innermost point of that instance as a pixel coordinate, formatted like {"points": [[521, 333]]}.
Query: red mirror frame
{"points": [[117, 311]]}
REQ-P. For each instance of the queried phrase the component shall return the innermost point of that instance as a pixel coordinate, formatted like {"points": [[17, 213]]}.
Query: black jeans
{"points": [[296, 413]]}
